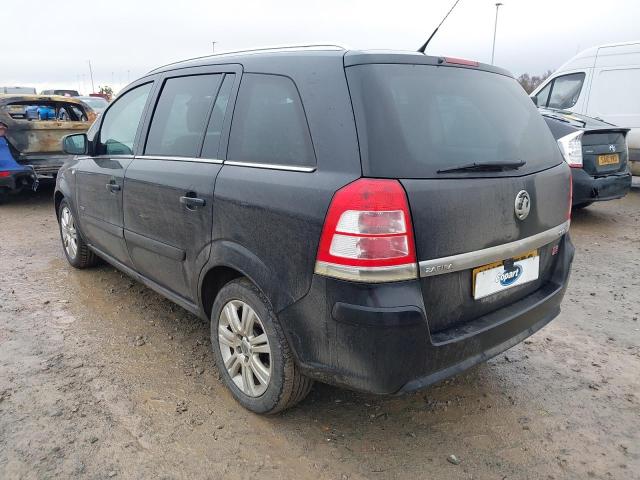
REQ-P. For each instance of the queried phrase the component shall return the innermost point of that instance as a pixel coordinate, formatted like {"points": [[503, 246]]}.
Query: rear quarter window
{"points": [[269, 124]]}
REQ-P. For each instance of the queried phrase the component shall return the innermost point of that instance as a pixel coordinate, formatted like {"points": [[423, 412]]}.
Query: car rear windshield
{"points": [[414, 120]]}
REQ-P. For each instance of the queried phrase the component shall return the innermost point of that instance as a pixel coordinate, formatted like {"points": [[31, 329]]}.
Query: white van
{"points": [[18, 90], [602, 82]]}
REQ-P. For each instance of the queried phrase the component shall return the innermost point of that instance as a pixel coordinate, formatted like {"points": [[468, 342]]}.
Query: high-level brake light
{"points": [[461, 61]]}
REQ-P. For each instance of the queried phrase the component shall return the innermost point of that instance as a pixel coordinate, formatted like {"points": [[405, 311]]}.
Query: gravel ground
{"points": [[102, 378]]}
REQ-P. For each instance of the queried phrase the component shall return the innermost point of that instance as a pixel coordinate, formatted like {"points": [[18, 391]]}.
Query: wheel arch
{"points": [[63, 191], [58, 196], [213, 281], [230, 261]]}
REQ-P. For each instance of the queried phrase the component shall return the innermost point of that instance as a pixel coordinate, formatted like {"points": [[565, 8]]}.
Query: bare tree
{"points": [[529, 83]]}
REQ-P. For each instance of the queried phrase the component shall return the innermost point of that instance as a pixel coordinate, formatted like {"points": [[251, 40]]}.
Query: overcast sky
{"points": [[47, 43]]}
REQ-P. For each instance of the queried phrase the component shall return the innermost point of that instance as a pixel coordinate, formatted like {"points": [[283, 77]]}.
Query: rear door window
{"points": [[565, 91], [121, 121], [269, 124], [180, 116], [414, 120]]}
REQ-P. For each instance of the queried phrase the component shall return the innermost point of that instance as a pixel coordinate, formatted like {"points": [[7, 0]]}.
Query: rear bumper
{"points": [[45, 166], [17, 180], [588, 189], [376, 338]]}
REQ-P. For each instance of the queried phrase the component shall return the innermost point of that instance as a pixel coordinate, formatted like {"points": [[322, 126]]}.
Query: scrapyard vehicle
{"points": [[601, 82], [36, 125], [597, 153], [374, 220], [61, 92], [18, 90]]}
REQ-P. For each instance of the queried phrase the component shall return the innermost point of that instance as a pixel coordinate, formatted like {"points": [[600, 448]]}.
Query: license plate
{"points": [[609, 159], [496, 277]]}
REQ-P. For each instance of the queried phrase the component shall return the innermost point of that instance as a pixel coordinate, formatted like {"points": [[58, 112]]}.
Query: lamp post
{"points": [[495, 29], [213, 47], [93, 88]]}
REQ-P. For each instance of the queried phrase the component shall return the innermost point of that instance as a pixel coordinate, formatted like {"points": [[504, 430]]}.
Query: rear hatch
{"points": [[604, 152], [604, 145], [419, 117]]}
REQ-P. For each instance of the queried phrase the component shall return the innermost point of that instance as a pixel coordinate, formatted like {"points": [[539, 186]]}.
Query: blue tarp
{"points": [[7, 162]]}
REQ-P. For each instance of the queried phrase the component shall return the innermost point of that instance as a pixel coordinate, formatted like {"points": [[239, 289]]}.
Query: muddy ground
{"points": [[102, 378]]}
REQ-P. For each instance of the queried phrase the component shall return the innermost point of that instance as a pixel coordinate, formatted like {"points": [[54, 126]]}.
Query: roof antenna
{"points": [[424, 47]]}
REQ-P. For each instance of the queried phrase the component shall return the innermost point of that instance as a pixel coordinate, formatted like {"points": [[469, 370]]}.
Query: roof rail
{"points": [[258, 50]]}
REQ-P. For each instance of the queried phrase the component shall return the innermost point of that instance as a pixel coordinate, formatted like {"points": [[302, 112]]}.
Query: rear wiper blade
{"points": [[484, 167], [556, 117], [568, 116]]}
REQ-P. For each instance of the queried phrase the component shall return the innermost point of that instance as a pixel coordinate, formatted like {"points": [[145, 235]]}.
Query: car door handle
{"points": [[113, 187], [192, 202]]}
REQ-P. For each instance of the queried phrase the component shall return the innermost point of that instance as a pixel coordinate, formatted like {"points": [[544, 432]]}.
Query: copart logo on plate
{"points": [[510, 277]]}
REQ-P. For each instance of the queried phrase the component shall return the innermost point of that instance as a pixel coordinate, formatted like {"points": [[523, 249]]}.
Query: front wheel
{"points": [[75, 249], [251, 351]]}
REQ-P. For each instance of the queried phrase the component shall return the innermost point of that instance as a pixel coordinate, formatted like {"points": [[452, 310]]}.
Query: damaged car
{"points": [[34, 126]]}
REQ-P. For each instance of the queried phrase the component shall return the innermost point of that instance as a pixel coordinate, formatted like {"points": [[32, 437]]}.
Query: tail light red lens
{"points": [[461, 61], [4, 174], [367, 234]]}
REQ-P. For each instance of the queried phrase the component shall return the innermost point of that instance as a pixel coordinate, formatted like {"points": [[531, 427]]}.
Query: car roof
{"points": [[291, 55]]}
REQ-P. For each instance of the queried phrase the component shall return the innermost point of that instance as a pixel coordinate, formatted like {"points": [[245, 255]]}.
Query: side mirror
{"points": [[534, 100], [76, 144]]}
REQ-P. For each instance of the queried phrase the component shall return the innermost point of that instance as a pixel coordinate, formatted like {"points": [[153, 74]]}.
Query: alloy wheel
{"points": [[69, 232], [245, 348]]}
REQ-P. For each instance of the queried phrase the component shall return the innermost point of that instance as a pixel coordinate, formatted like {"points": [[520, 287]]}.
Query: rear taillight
{"points": [[367, 234], [4, 174], [571, 148]]}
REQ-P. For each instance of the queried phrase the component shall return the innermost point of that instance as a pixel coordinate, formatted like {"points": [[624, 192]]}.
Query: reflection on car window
{"points": [[269, 124], [121, 122], [179, 120], [565, 91]]}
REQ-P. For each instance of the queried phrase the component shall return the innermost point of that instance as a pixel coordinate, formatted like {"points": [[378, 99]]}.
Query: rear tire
{"points": [[4, 195], [75, 248], [251, 352]]}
